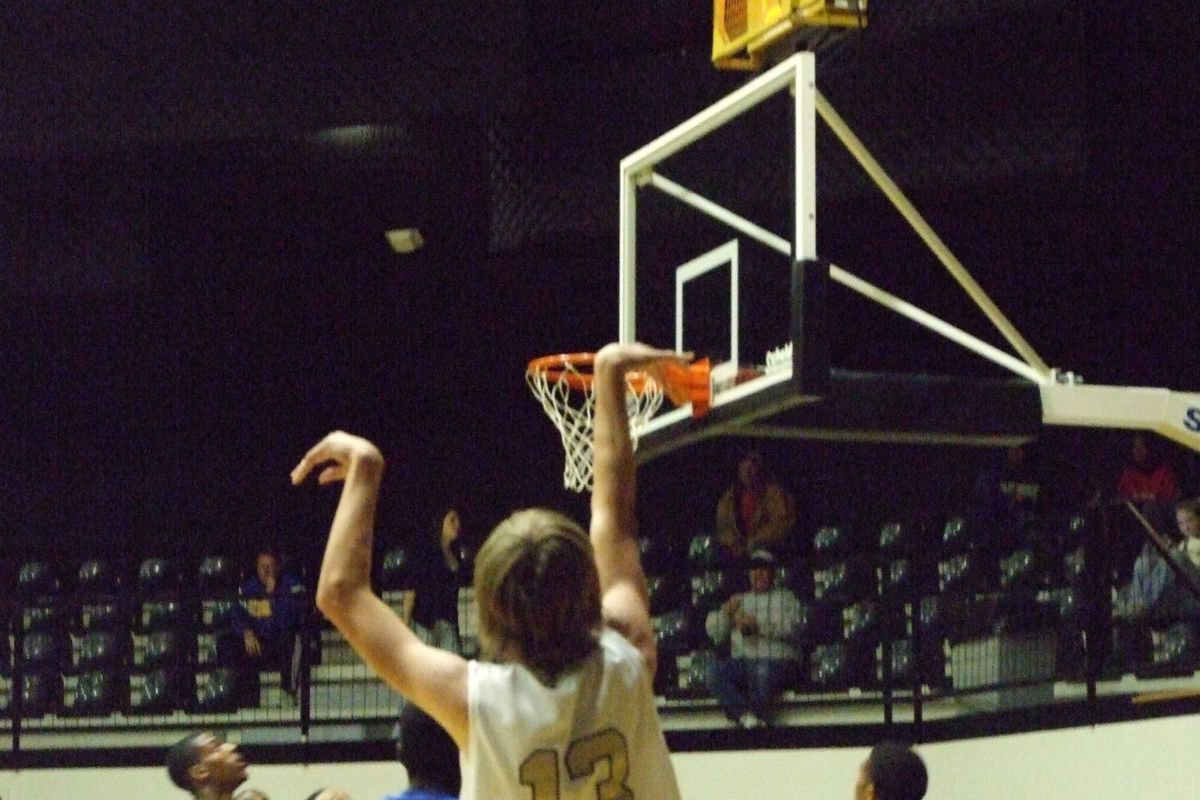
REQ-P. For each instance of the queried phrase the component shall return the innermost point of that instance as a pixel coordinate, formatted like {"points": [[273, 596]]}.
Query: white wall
{"points": [[1128, 761]]}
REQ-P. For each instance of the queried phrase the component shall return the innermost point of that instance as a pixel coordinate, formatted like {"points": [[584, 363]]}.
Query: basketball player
{"points": [[205, 767], [891, 772], [564, 708]]}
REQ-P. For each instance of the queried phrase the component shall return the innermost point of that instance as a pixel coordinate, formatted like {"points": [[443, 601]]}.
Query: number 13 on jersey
{"points": [[540, 770]]}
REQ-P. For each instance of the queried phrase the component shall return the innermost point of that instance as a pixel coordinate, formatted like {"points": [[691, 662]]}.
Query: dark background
{"points": [[195, 285]]}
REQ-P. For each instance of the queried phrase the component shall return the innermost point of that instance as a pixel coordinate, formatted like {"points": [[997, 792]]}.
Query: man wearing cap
{"points": [[763, 659]]}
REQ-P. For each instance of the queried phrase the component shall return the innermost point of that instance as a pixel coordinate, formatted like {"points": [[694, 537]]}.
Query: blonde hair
{"points": [[538, 592]]}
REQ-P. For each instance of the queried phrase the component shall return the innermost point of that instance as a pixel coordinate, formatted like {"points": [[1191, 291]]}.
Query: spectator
{"points": [[1155, 593], [1006, 497], [441, 568], [205, 767], [1146, 479], [891, 772], [267, 621], [429, 756], [1148, 482], [755, 511], [763, 660]]}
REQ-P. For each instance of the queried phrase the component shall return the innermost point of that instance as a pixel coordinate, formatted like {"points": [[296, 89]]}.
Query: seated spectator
{"points": [[1006, 496], [762, 660], [442, 567], [755, 511], [891, 772], [1148, 482], [205, 767], [429, 756], [267, 620], [1156, 594], [1146, 478]]}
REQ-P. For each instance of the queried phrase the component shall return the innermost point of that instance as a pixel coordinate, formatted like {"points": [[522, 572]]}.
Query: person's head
{"points": [[326, 794], [199, 762], [892, 771], [267, 567], [1187, 516], [1015, 456], [750, 469], [450, 527], [427, 753], [762, 571], [538, 592], [1140, 450]]}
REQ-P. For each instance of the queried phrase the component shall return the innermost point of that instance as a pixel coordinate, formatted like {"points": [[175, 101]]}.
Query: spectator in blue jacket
{"points": [[267, 618]]}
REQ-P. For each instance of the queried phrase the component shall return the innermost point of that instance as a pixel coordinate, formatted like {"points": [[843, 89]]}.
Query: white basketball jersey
{"points": [[595, 734]]}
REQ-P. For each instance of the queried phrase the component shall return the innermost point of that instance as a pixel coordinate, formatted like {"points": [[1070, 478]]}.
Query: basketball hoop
{"points": [[563, 385]]}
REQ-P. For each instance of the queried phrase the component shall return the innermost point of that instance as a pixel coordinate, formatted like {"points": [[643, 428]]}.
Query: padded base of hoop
{"points": [[869, 407]]}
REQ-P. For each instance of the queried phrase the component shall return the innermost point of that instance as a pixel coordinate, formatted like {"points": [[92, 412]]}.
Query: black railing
{"points": [[905, 621]]}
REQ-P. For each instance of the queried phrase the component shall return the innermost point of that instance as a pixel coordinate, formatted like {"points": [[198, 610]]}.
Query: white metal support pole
{"points": [[804, 87], [627, 258]]}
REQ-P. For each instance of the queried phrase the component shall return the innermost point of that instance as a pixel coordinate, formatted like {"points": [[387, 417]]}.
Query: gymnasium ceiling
{"points": [[180, 181], [949, 91]]}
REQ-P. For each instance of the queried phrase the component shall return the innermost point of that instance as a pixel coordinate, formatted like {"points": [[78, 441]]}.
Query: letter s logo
{"points": [[1191, 420]]}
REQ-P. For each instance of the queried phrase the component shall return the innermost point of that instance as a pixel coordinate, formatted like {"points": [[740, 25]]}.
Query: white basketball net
{"points": [[571, 410]]}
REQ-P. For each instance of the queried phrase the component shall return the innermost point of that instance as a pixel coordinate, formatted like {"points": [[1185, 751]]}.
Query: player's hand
{"points": [[635, 355], [340, 451], [253, 645]]}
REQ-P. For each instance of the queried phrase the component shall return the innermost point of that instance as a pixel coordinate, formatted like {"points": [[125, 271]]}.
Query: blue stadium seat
{"points": [[165, 614], [48, 614], [41, 693], [709, 590], [104, 649], [897, 538], [395, 570], [165, 647], [704, 552], [844, 582], [861, 623], [105, 614], [157, 576], [45, 649], [216, 576], [831, 540], [673, 631], [166, 689], [217, 690], [97, 577], [37, 579], [218, 614], [100, 692]]}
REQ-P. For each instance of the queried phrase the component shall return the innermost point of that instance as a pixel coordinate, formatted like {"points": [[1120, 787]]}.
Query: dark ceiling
{"points": [[195, 281]]}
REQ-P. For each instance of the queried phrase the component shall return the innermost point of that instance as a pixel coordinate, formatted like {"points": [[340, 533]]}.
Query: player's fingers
{"points": [[331, 474], [315, 455], [322, 451]]}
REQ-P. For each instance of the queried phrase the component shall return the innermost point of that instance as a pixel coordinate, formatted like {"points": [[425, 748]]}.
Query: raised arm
{"points": [[624, 597], [436, 680]]}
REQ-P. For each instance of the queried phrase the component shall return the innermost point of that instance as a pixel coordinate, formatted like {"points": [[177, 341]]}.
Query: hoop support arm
{"points": [[850, 281], [1174, 415], [927, 234]]}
